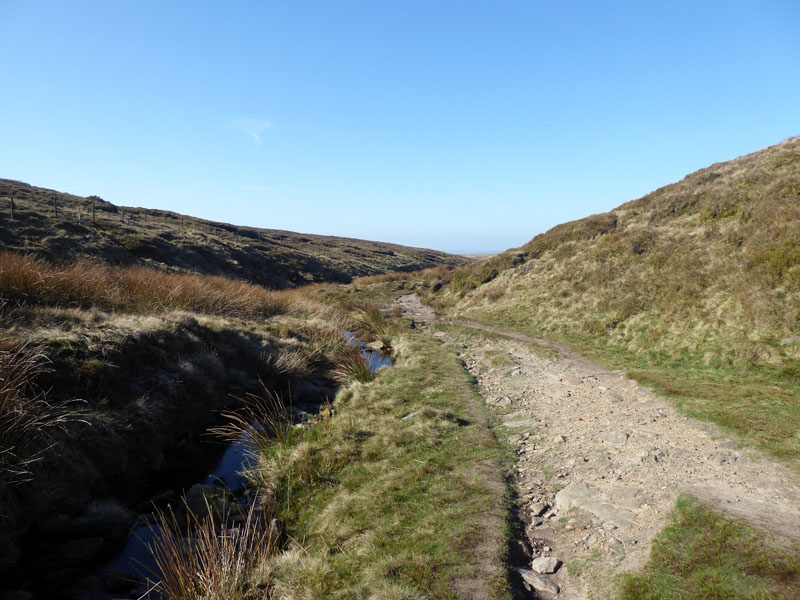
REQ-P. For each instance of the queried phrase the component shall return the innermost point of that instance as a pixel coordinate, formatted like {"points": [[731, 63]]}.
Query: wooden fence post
{"points": [[123, 214], [79, 215], [93, 213], [12, 208], [55, 208]]}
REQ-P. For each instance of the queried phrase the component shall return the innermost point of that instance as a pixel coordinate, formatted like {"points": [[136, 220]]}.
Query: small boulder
{"points": [[538, 509], [202, 499], [545, 564], [537, 582]]}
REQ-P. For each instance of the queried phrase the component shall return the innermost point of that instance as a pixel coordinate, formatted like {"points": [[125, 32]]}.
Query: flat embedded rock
{"points": [[521, 423], [580, 495], [613, 438]]}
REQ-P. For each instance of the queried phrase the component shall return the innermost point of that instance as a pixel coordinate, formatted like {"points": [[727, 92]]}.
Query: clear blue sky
{"points": [[463, 126]]}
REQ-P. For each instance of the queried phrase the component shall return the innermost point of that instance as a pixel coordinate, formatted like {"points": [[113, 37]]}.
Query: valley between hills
{"points": [[609, 411]]}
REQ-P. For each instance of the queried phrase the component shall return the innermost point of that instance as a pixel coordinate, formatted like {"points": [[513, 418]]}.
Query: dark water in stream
{"points": [[226, 470]]}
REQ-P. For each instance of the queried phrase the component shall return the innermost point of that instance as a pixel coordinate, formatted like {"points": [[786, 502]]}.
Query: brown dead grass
{"points": [[27, 279]]}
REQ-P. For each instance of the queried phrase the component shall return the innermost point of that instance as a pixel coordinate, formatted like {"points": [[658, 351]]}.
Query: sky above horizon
{"points": [[462, 126]]}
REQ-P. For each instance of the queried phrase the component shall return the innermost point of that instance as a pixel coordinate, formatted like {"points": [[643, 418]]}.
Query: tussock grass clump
{"points": [[27, 279], [372, 323], [264, 417], [704, 554], [26, 417], [352, 365], [208, 558]]}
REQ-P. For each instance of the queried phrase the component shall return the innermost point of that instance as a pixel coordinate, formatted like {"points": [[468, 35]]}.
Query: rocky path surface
{"points": [[601, 461]]}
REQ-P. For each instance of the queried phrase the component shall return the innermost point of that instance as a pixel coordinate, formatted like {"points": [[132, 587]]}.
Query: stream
{"points": [[123, 575]]}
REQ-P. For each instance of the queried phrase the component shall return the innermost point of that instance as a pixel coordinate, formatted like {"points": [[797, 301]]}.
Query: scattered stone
{"points": [[613, 438], [616, 548], [646, 432], [789, 341], [545, 564], [535, 522], [519, 552], [521, 423], [537, 582], [559, 439], [538, 509], [410, 416], [503, 402], [630, 497]]}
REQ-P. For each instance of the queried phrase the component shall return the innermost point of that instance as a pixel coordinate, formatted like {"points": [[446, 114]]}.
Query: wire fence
{"points": [[96, 212]]}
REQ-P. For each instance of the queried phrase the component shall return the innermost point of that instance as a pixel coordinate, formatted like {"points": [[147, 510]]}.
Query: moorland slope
{"points": [[60, 227], [710, 264], [693, 288]]}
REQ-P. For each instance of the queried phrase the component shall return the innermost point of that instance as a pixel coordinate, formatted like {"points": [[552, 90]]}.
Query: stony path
{"points": [[601, 461]]}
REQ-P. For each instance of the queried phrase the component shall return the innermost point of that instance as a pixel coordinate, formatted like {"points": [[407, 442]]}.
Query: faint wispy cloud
{"points": [[257, 188], [252, 127]]}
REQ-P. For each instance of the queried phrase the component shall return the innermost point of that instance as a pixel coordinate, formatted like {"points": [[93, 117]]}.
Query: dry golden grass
{"points": [[426, 274], [708, 265], [26, 417], [27, 279], [351, 365], [210, 559]]}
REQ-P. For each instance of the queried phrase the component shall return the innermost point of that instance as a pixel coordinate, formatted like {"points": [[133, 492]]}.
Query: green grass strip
{"points": [[705, 555], [399, 494]]}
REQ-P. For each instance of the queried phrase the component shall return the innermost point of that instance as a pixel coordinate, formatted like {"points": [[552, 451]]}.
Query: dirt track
{"points": [[621, 454]]}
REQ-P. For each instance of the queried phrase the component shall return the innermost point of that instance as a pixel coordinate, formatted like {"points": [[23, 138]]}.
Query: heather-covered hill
{"points": [[58, 227]]}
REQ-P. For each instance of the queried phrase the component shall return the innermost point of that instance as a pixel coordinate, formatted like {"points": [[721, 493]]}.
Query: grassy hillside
{"points": [[125, 236], [696, 286], [111, 377], [108, 376]]}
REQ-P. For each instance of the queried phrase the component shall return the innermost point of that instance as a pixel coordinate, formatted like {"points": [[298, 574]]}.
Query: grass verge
{"points": [[399, 494], [703, 554]]}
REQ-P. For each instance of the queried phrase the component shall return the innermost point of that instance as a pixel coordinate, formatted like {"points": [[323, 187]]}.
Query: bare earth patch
{"points": [[602, 461]]}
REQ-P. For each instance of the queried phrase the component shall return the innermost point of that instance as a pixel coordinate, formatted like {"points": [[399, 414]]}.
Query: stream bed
{"points": [[125, 575]]}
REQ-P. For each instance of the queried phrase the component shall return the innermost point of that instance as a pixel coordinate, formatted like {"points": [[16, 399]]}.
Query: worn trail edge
{"points": [[601, 461]]}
